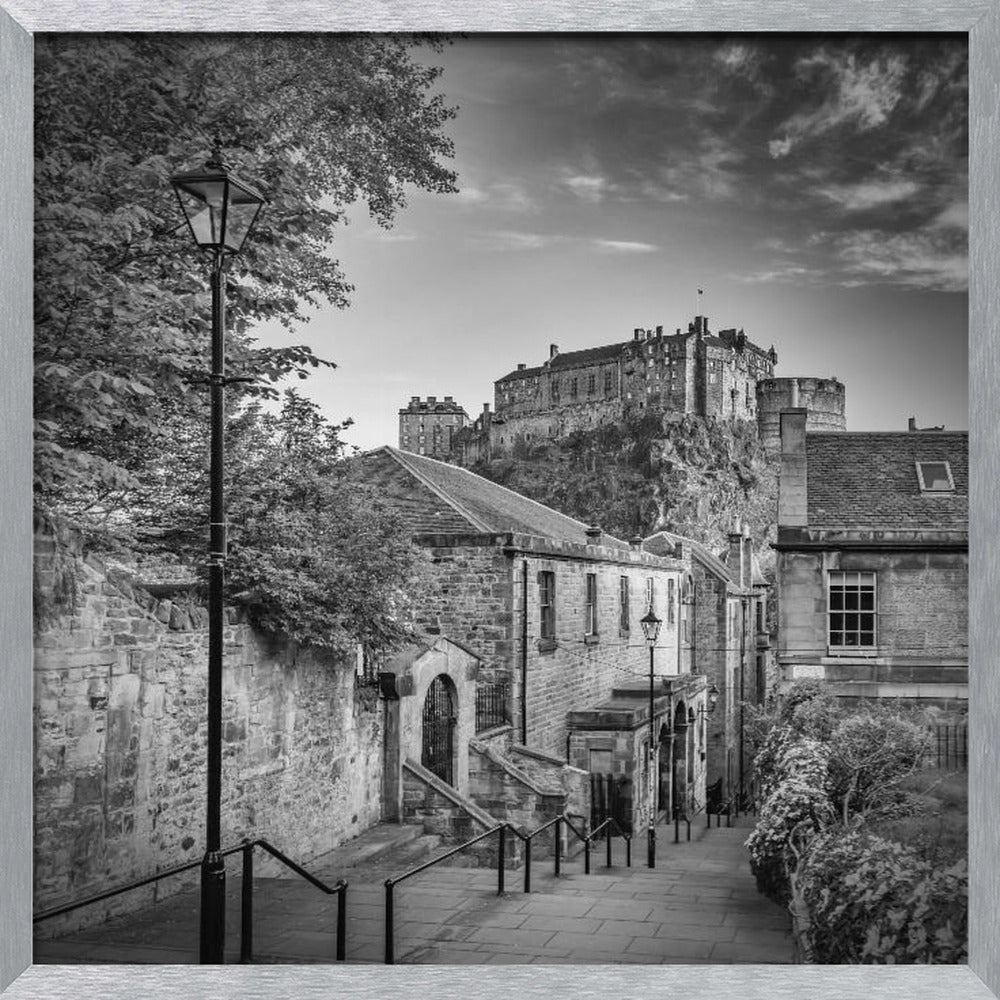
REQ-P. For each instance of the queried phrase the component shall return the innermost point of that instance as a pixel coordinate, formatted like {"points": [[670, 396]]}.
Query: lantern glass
{"points": [[650, 627], [219, 207]]}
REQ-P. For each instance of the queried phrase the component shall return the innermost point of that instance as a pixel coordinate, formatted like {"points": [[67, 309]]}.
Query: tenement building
{"points": [[872, 566], [694, 371], [427, 426]]}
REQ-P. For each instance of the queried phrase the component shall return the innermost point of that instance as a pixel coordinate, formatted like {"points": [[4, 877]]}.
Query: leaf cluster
{"points": [[122, 307]]}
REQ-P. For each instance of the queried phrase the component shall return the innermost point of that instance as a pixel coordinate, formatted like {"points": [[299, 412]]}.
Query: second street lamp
{"points": [[220, 210], [651, 630]]}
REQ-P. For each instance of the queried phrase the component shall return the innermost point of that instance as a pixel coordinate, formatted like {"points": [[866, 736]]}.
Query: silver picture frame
{"points": [[19, 979]]}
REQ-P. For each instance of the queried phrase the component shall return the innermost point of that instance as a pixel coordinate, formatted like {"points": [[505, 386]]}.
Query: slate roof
{"points": [[588, 356], [662, 541], [522, 373], [870, 480], [435, 497]]}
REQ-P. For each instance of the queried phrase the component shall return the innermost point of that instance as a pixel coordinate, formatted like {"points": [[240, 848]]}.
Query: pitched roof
{"points": [[435, 497], [521, 373], [588, 356], [869, 479], [662, 541]]}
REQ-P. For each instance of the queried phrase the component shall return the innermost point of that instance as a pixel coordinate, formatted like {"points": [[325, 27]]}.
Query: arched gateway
{"points": [[438, 731]]}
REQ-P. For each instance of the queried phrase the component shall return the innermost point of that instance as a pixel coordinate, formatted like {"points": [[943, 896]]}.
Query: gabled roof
{"points": [[588, 356], [436, 498], [661, 541], [869, 480], [521, 373]]}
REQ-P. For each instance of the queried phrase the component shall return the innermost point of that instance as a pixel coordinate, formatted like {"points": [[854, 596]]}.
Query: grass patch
{"points": [[932, 816]]}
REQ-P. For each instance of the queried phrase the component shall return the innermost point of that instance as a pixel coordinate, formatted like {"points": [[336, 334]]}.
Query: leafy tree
{"points": [[313, 552], [121, 298]]}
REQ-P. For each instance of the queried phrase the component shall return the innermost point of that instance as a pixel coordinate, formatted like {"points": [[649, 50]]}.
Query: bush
{"points": [[795, 803], [873, 901], [871, 753]]}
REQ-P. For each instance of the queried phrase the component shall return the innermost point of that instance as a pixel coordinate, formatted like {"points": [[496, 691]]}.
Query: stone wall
{"points": [[120, 733], [922, 625]]}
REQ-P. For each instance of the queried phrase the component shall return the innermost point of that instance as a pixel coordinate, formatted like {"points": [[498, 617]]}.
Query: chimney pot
{"points": [[594, 533], [553, 350], [635, 543]]}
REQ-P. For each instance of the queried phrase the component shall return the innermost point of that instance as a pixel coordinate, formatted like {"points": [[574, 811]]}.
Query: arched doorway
{"points": [[438, 740], [680, 782]]}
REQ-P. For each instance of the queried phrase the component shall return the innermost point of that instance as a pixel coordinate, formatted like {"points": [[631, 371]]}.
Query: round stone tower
{"points": [[822, 398]]}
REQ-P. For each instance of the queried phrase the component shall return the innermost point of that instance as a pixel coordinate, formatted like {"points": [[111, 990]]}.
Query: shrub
{"points": [[795, 804], [874, 901], [871, 752]]}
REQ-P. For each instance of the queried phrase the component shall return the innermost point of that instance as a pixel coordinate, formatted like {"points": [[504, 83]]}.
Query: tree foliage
{"points": [[122, 305], [313, 552]]}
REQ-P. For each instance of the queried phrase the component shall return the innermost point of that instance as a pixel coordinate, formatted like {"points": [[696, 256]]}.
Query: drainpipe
{"points": [[524, 655], [743, 665]]}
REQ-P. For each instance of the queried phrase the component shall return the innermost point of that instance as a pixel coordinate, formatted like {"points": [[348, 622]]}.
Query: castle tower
{"points": [[823, 400]]}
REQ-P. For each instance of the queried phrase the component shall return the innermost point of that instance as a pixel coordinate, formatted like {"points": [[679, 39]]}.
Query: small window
{"points": [[851, 610], [547, 604], [935, 477], [671, 598], [590, 610], [623, 613]]}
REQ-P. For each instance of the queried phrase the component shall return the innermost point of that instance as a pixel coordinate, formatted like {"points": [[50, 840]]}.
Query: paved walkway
{"points": [[699, 905]]}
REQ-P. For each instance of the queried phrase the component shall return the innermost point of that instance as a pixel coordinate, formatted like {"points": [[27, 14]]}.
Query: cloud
{"points": [[866, 195], [509, 239], [928, 259], [625, 246], [504, 196], [862, 94], [587, 187], [955, 216]]}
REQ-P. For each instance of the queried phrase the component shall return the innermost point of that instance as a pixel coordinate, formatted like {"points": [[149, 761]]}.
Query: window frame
{"points": [[590, 605], [924, 488], [547, 605], [843, 582]]}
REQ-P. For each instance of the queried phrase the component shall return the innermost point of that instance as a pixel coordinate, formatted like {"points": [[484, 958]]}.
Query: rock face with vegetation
{"points": [[691, 475]]}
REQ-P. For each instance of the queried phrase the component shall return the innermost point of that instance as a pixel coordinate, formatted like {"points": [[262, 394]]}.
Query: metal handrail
{"points": [[246, 901], [609, 822], [392, 882], [727, 808]]}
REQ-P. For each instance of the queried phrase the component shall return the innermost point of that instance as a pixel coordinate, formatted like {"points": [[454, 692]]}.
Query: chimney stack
{"points": [[792, 496], [521, 366], [553, 351], [594, 533], [659, 330], [637, 333], [432, 399], [449, 399]]}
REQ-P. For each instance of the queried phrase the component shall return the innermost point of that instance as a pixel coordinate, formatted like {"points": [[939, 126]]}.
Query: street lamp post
{"points": [[220, 210], [651, 629]]}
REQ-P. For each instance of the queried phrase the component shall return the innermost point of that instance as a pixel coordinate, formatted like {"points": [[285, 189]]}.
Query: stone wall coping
{"points": [[481, 816], [515, 772], [547, 758], [794, 539]]}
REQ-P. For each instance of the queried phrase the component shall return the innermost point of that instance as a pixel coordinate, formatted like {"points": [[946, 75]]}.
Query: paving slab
{"points": [[698, 905]]}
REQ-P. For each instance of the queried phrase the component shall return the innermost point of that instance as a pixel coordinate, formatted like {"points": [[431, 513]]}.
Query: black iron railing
{"points": [[501, 831], [492, 705], [951, 745], [246, 899]]}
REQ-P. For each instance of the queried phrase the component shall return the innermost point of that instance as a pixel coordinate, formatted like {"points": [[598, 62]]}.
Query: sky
{"points": [[815, 187]]}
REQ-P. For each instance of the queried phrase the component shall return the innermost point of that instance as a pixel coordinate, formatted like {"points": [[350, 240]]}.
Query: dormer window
{"points": [[935, 477]]}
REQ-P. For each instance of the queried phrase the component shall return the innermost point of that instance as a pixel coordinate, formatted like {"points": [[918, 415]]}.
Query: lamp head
{"points": [[219, 207]]}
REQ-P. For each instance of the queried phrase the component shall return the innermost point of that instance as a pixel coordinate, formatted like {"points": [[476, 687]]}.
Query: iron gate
{"points": [[439, 729]]}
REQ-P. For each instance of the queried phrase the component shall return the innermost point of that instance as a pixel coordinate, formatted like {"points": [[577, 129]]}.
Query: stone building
{"points": [[550, 607], [872, 563], [694, 371], [725, 634], [428, 426]]}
